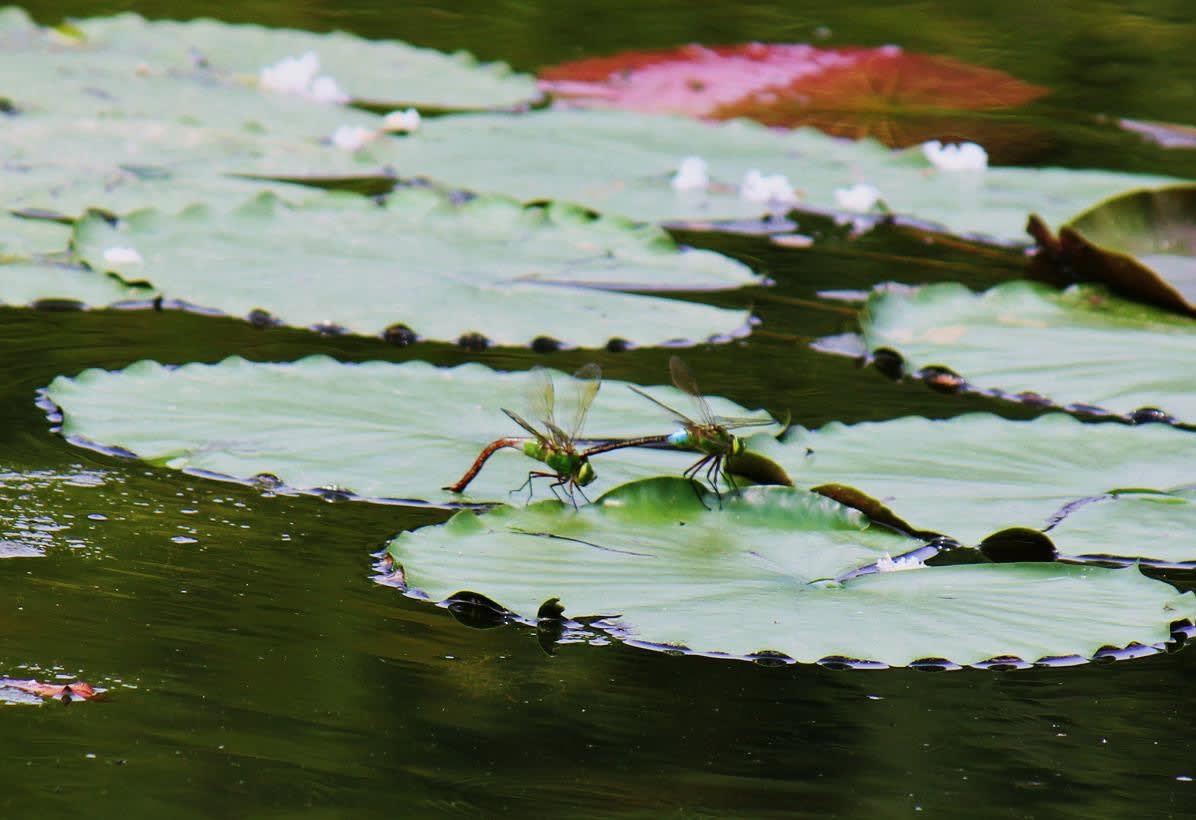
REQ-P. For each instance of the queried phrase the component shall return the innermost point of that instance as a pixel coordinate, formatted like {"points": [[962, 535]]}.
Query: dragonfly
{"points": [[711, 436], [551, 444]]}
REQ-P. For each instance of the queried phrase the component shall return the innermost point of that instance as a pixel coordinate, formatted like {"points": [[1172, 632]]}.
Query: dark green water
{"points": [[256, 670]]}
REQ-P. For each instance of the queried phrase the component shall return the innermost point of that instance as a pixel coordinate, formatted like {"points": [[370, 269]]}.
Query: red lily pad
{"points": [[897, 97]]}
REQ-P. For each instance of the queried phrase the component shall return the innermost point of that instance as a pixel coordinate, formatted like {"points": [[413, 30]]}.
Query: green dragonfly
{"points": [[556, 446], [711, 437]]}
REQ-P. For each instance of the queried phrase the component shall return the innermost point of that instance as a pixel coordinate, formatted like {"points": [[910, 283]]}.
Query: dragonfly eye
{"points": [[585, 474], [736, 446]]}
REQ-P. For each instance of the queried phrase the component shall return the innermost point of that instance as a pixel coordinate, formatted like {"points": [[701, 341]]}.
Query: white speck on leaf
{"points": [[756, 187], [859, 198], [123, 256], [692, 175], [964, 156], [401, 121]]}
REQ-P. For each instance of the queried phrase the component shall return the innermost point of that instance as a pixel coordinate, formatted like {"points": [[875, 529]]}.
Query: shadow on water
{"points": [[256, 669]]}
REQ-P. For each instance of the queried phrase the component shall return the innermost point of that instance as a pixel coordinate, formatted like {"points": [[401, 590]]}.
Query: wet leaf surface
{"points": [[757, 574], [1081, 348], [488, 266], [377, 429]]}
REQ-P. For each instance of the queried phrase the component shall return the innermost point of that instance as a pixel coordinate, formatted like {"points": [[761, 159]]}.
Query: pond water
{"points": [[256, 669]]}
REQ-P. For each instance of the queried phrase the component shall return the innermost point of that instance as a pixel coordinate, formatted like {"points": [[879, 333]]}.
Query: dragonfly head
{"points": [[737, 446], [585, 473]]}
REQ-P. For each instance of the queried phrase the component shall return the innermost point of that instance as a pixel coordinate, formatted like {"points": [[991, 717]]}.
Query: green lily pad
{"points": [[25, 238], [1141, 244], [488, 266], [1155, 528], [377, 430], [146, 74], [758, 575], [976, 474], [622, 162], [1079, 347], [68, 165], [385, 72], [381, 72], [25, 283]]}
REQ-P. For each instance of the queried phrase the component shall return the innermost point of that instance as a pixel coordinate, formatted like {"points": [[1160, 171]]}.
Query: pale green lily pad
{"points": [[106, 86], [1076, 347], [383, 72], [25, 283], [976, 474], [378, 430], [1152, 527], [147, 74], [757, 575], [25, 238], [622, 162], [488, 266]]}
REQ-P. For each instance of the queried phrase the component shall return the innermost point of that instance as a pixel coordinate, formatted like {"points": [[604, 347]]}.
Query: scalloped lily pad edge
{"points": [[270, 484], [388, 573], [891, 364], [267, 483]]}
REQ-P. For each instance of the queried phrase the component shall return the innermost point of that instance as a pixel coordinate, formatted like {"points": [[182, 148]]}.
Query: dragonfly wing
{"points": [[560, 439], [541, 397], [587, 380], [737, 424], [516, 418], [680, 416], [685, 381]]}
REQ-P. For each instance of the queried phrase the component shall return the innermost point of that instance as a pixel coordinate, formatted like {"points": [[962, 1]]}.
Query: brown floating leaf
{"points": [[1142, 245]]}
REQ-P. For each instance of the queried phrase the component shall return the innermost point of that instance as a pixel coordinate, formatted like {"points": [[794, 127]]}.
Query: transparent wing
{"points": [[541, 397], [586, 382], [515, 417], [685, 381], [680, 416]]}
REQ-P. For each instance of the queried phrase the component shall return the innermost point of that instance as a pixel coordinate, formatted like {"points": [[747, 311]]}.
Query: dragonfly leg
{"points": [[692, 475], [567, 484], [577, 487], [531, 477], [716, 463]]}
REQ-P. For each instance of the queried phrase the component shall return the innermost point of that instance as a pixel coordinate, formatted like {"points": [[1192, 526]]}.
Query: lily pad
{"points": [[976, 474], [377, 430], [1155, 528], [381, 72], [23, 284], [143, 72], [488, 266], [897, 97], [25, 238], [567, 155], [757, 575], [1080, 347], [67, 165], [1141, 244]]}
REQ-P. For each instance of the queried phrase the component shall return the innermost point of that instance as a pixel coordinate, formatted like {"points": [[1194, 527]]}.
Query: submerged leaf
{"points": [[973, 475], [758, 575], [567, 155], [1079, 347], [488, 266], [379, 430]]}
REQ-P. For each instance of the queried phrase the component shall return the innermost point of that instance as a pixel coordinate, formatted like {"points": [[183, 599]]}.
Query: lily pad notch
{"points": [[773, 576]]}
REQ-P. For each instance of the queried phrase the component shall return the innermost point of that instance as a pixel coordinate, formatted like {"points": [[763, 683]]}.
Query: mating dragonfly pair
{"points": [[560, 451]]}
